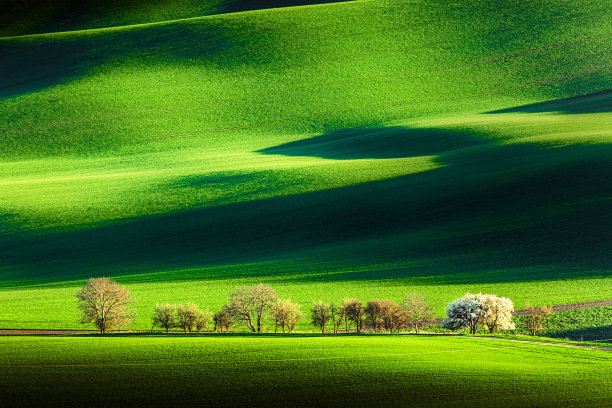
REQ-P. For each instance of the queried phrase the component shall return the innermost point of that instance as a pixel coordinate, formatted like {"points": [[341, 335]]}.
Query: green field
{"points": [[582, 325], [352, 149], [299, 371]]}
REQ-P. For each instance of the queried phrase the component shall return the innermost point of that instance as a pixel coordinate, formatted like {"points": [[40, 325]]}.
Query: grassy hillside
{"points": [[584, 324], [44, 16], [358, 148], [315, 371]]}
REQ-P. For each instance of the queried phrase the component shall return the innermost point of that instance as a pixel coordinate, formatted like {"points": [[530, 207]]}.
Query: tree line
{"points": [[106, 304]]}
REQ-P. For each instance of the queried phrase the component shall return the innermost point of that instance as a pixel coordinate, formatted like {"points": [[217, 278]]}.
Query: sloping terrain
{"points": [[366, 147], [44, 16]]}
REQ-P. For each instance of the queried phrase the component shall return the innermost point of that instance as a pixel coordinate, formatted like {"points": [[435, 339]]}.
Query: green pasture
{"points": [[581, 325], [53, 306], [334, 371], [355, 149]]}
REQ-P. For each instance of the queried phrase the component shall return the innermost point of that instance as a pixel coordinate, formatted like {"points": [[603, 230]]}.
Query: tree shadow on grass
{"points": [[597, 102], [586, 334], [234, 6], [487, 208], [380, 143]]}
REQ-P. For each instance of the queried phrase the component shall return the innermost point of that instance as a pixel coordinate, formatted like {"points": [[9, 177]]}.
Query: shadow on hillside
{"points": [[41, 62], [379, 143], [69, 15], [597, 102], [586, 334], [489, 208], [234, 6]]}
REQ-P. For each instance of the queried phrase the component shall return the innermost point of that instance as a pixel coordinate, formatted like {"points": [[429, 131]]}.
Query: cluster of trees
{"points": [[249, 305], [378, 314], [535, 318], [475, 310], [188, 317], [106, 304]]}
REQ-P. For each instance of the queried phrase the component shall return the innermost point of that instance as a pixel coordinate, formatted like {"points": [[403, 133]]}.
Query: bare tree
{"points": [[263, 296], [320, 314], [202, 320], [164, 316], [276, 313], [241, 306], [416, 309], [293, 316], [249, 304], [391, 315], [337, 315], [354, 312], [372, 311], [186, 316], [397, 319], [285, 314], [535, 318], [223, 319], [105, 303]]}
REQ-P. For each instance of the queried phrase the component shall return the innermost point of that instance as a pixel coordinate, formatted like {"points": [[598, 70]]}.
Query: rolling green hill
{"points": [[362, 148]]}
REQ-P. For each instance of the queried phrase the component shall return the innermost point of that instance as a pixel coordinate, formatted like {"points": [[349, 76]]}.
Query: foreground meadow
{"points": [[384, 370]]}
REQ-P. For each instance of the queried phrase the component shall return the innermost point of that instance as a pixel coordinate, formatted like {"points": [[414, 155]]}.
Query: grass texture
{"points": [[363, 148], [582, 324], [315, 371]]}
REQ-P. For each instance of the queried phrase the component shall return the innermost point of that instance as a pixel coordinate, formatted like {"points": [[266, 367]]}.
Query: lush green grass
{"points": [[28, 307], [583, 324], [596, 344], [295, 147], [298, 371]]}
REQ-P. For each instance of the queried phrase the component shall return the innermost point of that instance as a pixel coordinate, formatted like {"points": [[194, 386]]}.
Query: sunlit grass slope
{"points": [[331, 371], [362, 148]]}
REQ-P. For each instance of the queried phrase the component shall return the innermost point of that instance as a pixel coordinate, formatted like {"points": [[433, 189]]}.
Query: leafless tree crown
{"points": [[105, 303]]}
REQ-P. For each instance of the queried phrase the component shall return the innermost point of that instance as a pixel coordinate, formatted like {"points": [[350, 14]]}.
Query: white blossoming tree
{"points": [[475, 310], [463, 312], [497, 312]]}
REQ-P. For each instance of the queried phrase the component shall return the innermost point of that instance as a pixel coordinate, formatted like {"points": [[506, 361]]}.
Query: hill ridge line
{"points": [[128, 27]]}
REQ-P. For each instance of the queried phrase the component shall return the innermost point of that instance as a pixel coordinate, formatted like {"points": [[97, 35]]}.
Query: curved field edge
{"points": [[325, 371]]}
